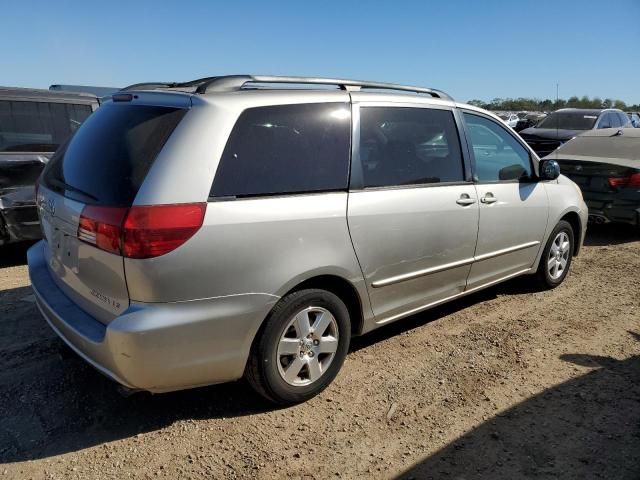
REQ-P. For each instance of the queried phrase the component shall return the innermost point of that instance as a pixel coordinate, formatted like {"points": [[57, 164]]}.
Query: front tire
{"points": [[301, 347], [556, 256]]}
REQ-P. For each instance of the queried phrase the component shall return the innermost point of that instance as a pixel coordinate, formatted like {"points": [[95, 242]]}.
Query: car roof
{"points": [[235, 83], [17, 93], [587, 111]]}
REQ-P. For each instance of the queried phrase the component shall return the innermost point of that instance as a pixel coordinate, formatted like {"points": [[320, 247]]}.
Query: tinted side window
{"points": [[409, 146], [624, 120], [615, 120], [286, 149], [605, 121], [38, 126], [498, 156]]}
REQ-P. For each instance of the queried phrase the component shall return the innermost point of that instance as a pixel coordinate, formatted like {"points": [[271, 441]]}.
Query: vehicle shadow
{"points": [[516, 286], [14, 254], [588, 427], [611, 234], [52, 402]]}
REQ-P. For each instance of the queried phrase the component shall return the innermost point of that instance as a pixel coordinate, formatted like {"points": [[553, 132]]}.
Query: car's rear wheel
{"points": [[301, 347], [556, 256]]}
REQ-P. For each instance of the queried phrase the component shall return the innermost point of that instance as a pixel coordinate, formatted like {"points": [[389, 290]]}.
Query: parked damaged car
{"points": [[33, 123], [564, 124], [605, 164]]}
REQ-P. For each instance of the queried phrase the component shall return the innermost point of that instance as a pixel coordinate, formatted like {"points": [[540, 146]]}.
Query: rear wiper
{"points": [[71, 188]]}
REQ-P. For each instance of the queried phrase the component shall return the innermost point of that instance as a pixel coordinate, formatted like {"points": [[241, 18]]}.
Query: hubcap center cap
{"points": [[306, 346]]}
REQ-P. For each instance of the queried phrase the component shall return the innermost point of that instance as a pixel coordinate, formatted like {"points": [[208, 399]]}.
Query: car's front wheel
{"points": [[556, 256], [301, 347]]}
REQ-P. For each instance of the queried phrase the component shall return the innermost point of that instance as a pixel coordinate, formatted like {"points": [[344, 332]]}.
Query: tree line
{"points": [[534, 104]]}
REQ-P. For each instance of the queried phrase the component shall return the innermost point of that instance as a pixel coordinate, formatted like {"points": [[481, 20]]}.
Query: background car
{"points": [[605, 164], [564, 124], [635, 119], [33, 123], [510, 119]]}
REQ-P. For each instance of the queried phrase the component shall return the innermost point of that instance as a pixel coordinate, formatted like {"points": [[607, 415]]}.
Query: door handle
{"points": [[488, 198], [465, 200]]}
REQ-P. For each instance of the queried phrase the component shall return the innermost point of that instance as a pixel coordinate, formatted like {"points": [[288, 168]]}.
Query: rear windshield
{"points": [[569, 121], [106, 161], [38, 126]]}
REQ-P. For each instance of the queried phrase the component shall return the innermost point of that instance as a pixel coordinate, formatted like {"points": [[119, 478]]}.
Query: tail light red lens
{"points": [[632, 180], [140, 231], [156, 230]]}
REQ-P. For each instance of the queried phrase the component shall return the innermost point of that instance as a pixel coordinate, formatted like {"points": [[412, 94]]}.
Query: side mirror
{"points": [[549, 170]]}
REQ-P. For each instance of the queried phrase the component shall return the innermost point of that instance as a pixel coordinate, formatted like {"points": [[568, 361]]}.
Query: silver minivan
{"points": [[200, 232]]}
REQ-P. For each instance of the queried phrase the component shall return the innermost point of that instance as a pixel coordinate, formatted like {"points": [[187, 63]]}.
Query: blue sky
{"points": [[471, 49]]}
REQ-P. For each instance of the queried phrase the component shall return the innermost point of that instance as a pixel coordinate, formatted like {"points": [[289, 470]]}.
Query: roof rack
{"points": [[236, 82], [230, 83]]}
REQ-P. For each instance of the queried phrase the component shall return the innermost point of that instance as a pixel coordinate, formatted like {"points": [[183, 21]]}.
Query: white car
{"points": [[511, 119]]}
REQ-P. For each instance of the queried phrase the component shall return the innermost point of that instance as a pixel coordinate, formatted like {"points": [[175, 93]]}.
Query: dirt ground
{"points": [[508, 383]]}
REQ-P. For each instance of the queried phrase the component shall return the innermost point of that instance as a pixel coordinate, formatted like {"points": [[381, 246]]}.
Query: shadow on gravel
{"points": [[611, 234], [14, 254], [52, 402], [516, 286], [588, 427]]}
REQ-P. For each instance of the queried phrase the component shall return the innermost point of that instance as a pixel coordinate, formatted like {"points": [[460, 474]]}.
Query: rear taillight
{"points": [[156, 230], [140, 231], [632, 180], [102, 227]]}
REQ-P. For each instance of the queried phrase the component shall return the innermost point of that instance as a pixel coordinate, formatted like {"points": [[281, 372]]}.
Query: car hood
{"points": [[548, 133]]}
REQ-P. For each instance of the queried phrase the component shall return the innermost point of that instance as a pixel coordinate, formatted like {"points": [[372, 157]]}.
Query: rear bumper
{"points": [[605, 209], [156, 347]]}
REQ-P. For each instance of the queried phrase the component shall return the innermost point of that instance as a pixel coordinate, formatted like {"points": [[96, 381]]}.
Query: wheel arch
{"points": [[342, 288], [349, 287], [576, 224]]}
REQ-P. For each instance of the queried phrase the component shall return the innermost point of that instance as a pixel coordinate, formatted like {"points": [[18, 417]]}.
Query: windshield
{"points": [[569, 121]]}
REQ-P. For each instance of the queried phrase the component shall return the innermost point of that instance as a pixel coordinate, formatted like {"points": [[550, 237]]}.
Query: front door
{"points": [[412, 214], [513, 206]]}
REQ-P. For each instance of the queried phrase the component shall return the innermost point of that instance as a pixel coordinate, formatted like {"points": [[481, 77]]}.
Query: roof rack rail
{"points": [[230, 83], [155, 85], [148, 86], [237, 82]]}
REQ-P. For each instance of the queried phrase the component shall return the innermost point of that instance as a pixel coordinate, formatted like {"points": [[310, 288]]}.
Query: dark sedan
{"points": [[605, 164], [562, 125]]}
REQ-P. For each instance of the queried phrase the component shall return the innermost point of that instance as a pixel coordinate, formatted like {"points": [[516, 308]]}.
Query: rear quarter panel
{"points": [[262, 245]]}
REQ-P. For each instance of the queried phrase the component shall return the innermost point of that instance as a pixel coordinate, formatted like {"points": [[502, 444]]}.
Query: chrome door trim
{"points": [[427, 271], [504, 251], [452, 297], [419, 273]]}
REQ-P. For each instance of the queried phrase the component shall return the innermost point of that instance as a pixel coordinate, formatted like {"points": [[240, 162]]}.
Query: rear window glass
{"points": [[27, 126], [569, 121], [106, 161], [286, 149]]}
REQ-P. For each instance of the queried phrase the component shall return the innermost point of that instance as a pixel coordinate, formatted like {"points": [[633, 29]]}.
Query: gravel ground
{"points": [[508, 383]]}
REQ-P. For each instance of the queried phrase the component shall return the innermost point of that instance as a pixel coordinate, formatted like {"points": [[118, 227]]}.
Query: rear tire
{"points": [[300, 348], [556, 256]]}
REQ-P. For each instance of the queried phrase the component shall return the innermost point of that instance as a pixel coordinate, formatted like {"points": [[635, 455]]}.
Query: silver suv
{"points": [[236, 226]]}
